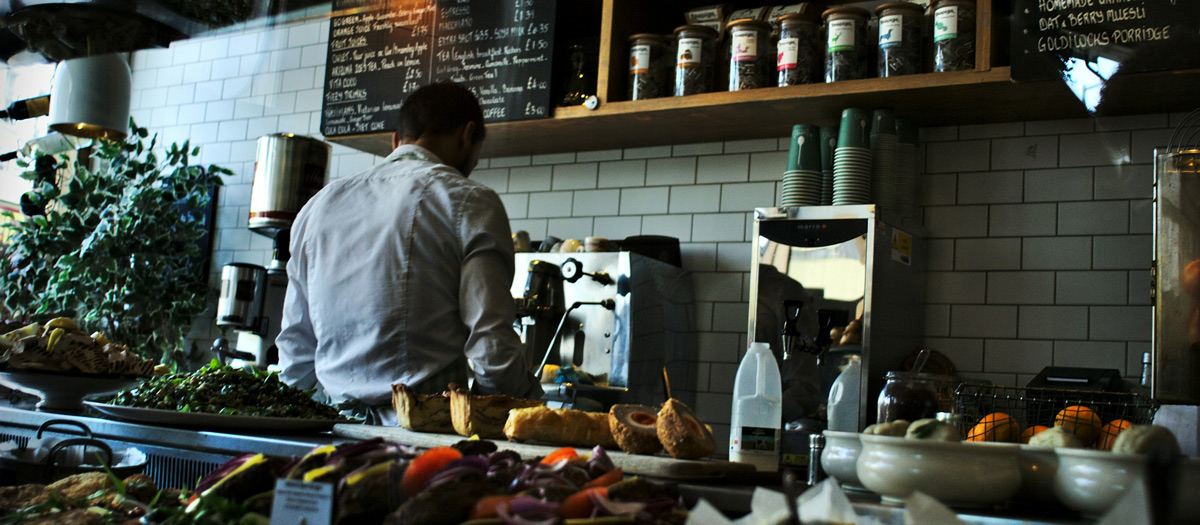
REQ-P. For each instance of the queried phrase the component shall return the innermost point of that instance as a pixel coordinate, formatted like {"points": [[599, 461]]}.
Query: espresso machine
{"points": [[817, 269], [288, 170], [616, 318]]}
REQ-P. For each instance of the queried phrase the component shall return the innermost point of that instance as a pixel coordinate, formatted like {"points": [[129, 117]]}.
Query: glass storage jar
{"points": [[909, 396], [899, 38], [798, 50], [953, 35], [845, 43], [749, 53], [649, 67], [695, 59]]}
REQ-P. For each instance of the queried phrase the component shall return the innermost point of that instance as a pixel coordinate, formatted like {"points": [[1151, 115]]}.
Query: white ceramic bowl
{"points": [[840, 457], [1092, 481], [1038, 467], [955, 473]]}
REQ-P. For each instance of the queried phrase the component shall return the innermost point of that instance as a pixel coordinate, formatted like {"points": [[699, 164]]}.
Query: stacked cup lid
{"points": [[852, 159], [883, 157], [829, 136], [802, 179], [906, 168]]}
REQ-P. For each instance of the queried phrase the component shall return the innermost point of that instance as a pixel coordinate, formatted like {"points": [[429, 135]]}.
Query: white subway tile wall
{"points": [[1039, 231]]}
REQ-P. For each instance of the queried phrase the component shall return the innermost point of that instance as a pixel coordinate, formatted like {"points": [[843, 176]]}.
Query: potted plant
{"points": [[119, 244]]}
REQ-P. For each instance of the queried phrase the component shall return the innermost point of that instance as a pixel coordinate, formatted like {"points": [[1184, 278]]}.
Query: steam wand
{"points": [[608, 304]]}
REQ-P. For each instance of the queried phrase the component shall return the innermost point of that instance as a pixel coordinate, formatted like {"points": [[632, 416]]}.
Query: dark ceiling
{"points": [[61, 29]]}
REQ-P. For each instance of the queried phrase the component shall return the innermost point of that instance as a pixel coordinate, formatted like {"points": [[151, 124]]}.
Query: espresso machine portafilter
{"points": [[540, 308]]}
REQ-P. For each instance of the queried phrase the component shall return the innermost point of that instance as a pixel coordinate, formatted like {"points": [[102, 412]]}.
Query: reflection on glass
{"points": [[1086, 79], [810, 282]]}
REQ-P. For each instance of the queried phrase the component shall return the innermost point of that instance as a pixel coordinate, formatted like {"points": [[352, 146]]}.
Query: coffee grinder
{"points": [[288, 170]]}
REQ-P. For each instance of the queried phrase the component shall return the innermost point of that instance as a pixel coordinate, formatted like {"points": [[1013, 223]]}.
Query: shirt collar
{"points": [[412, 152]]}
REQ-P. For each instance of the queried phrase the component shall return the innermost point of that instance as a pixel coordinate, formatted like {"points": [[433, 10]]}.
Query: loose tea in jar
{"points": [[845, 43], [798, 50], [648, 67], [695, 59], [953, 35], [909, 396], [749, 54], [899, 38]]}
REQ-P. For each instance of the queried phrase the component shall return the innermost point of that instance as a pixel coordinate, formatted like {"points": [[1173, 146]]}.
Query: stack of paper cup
{"points": [[802, 179], [906, 168], [883, 159], [852, 159], [829, 136]]}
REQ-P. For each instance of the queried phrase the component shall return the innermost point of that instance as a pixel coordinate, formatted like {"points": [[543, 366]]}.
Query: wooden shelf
{"points": [[984, 95]]}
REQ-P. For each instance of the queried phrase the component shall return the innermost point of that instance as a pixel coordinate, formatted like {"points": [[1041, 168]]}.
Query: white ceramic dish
{"points": [[955, 473], [1092, 481], [1038, 466], [840, 457], [64, 392]]}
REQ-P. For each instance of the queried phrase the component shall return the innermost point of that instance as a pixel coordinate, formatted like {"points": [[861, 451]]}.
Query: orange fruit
{"points": [[1108, 434], [997, 426], [1081, 421], [1032, 431], [1190, 280]]}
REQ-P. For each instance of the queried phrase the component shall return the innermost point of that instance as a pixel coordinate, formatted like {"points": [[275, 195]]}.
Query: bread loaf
{"points": [[560, 426], [422, 413], [482, 415]]}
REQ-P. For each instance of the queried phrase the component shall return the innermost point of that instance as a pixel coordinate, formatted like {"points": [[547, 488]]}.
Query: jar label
{"points": [[689, 52], [945, 23], [745, 46], [787, 53], [841, 35], [756, 440], [639, 60], [891, 32]]}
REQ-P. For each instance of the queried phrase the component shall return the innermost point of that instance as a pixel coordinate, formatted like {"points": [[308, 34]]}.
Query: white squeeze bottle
{"points": [[843, 398], [755, 430]]}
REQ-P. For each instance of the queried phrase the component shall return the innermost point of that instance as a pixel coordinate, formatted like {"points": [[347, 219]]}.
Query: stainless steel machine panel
{"points": [[1176, 346], [848, 260], [647, 328]]}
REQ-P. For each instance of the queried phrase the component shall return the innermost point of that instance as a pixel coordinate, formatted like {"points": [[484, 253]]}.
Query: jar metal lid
{"points": [[796, 17], [649, 36], [938, 4], [704, 31], [911, 376], [757, 24], [903, 6], [845, 11]]}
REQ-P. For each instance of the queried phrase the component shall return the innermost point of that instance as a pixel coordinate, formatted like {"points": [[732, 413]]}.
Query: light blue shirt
{"points": [[401, 274]]}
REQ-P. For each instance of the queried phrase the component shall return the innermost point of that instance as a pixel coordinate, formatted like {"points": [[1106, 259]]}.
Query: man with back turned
{"points": [[401, 274]]}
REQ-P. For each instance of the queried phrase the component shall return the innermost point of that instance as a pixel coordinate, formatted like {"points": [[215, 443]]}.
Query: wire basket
{"points": [[1031, 406]]}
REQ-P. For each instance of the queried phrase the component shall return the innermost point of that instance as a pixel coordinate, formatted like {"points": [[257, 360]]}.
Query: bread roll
{"points": [[560, 426]]}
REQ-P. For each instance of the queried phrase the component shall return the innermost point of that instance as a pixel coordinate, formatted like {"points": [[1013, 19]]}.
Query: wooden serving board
{"points": [[658, 466]]}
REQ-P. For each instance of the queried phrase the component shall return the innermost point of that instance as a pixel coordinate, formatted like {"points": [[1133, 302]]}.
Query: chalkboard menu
{"points": [[1051, 37], [382, 50]]}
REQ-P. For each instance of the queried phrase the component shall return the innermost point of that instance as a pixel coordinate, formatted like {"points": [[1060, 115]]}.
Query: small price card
{"points": [[302, 503]]}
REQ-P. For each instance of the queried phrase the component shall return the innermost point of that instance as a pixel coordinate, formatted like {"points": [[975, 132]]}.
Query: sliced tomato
{"points": [[579, 504], [606, 479], [559, 455], [489, 506], [422, 467]]}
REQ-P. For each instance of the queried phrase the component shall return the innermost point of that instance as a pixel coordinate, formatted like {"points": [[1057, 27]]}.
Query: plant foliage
{"points": [[117, 245]]}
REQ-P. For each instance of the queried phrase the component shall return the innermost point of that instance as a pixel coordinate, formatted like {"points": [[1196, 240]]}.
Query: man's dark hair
{"points": [[439, 109]]}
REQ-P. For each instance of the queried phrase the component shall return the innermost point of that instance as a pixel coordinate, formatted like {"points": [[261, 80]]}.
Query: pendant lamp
{"points": [[89, 97]]}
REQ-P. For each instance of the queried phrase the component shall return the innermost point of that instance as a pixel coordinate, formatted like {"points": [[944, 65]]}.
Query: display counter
{"points": [[176, 457], [179, 457]]}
